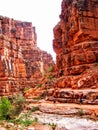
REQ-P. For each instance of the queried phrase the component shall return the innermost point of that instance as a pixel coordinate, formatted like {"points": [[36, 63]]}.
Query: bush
{"points": [[37, 98], [18, 104], [53, 126], [36, 108], [50, 69], [26, 89], [25, 120], [80, 112], [50, 77], [5, 108], [11, 109], [39, 85]]}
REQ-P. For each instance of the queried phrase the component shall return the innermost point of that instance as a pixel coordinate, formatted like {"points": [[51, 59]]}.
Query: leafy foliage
{"points": [[25, 120], [5, 108], [11, 109]]}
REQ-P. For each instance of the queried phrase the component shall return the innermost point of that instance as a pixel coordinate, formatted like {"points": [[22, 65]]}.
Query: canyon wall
{"points": [[22, 63], [76, 46], [76, 43], [74, 78]]}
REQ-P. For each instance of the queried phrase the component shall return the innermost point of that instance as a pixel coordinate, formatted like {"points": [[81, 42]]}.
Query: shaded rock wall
{"points": [[22, 63], [76, 44]]}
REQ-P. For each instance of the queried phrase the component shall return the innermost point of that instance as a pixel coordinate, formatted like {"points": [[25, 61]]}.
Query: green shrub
{"points": [[11, 109], [50, 77], [21, 121], [35, 108], [53, 126], [18, 104], [50, 69], [5, 108], [26, 89], [39, 85], [25, 120], [37, 98], [35, 120], [80, 112]]}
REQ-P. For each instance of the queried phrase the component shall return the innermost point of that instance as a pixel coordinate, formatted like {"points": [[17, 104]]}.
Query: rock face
{"points": [[22, 63], [76, 46], [76, 43], [75, 77]]}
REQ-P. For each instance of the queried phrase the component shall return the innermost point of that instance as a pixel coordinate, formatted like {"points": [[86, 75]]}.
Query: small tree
{"points": [[5, 108]]}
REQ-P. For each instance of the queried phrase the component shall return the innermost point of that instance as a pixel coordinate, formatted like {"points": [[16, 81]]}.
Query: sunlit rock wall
{"points": [[76, 44]]}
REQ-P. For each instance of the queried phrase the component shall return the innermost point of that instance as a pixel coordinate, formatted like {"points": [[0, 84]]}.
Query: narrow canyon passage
{"points": [[65, 93]]}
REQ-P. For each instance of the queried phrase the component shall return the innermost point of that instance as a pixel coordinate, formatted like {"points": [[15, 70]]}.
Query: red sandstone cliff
{"points": [[76, 44], [75, 79], [22, 63]]}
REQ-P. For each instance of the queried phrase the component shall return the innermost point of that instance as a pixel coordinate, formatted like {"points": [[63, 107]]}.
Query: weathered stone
{"points": [[1, 128], [76, 43], [22, 63], [75, 75], [60, 128], [40, 127], [76, 46]]}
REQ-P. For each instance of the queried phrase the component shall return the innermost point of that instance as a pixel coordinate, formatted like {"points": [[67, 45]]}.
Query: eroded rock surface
{"points": [[76, 43], [22, 63], [76, 46], [74, 78]]}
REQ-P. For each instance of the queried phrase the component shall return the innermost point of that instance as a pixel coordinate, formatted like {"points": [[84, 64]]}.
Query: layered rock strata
{"points": [[75, 77], [22, 63], [76, 43], [76, 46]]}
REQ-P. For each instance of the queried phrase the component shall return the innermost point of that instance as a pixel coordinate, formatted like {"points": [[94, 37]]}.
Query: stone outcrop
{"points": [[22, 63], [76, 46], [76, 43]]}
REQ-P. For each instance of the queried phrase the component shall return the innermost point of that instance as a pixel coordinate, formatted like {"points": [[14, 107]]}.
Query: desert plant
{"points": [[53, 126], [18, 104], [50, 77], [26, 89], [50, 68], [25, 120], [39, 85], [21, 121], [96, 64], [80, 112], [11, 109], [35, 108], [37, 98], [5, 108]]}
